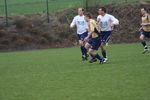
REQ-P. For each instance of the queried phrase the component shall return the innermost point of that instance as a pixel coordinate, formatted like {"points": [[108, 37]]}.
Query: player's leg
{"points": [[95, 46], [82, 43], [143, 42], [89, 43], [93, 59], [104, 39], [83, 49], [96, 55], [107, 42], [103, 50], [87, 46], [82, 37]]}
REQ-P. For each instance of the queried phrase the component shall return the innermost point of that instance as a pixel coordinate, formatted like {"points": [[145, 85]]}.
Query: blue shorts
{"points": [[95, 43], [82, 36], [146, 34], [105, 36]]}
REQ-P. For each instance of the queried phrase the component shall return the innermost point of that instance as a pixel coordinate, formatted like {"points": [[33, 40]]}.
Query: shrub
{"points": [[21, 43], [43, 41]]}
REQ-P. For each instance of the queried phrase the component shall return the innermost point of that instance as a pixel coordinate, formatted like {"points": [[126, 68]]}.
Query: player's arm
{"points": [[145, 24], [73, 23], [98, 19], [114, 20], [89, 35], [140, 28]]}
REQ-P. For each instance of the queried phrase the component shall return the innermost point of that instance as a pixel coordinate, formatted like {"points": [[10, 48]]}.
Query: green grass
{"points": [[59, 74], [35, 6]]}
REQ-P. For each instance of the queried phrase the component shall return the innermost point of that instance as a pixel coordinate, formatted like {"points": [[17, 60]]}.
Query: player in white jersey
{"points": [[106, 23], [82, 28]]}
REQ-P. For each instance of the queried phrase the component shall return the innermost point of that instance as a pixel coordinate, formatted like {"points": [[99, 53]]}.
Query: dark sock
{"points": [[143, 43], [85, 51], [93, 57], [98, 57], [82, 50], [104, 53]]}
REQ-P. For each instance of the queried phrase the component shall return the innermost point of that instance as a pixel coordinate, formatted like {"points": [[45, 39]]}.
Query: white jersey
{"points": [[80, 23], [106, 22]]}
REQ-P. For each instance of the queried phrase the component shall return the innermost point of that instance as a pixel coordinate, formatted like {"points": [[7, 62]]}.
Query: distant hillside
{"points": [[33, 32]]}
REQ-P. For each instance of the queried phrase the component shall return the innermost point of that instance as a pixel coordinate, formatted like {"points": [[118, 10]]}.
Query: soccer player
{"points": [[106, 24], [145, 29], [82, 28], [93, 38]]}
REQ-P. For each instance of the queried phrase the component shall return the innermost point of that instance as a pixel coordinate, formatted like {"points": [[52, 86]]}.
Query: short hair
{"points": [[144, 8], [88, 15], [103, 9], [81, 8]]}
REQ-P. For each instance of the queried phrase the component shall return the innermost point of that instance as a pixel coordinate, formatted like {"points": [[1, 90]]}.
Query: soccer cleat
{"points": [[101, 61], [105, 60], [145, 50], [107, 44], [93, 60]]}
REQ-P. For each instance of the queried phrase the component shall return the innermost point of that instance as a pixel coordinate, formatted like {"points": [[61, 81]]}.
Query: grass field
{"points": [[59, 74], [35, 6]]}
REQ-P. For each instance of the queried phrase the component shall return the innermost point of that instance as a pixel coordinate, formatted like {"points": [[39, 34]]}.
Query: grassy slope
{"points": [[28, 6], [35, 6], [58, 74]]}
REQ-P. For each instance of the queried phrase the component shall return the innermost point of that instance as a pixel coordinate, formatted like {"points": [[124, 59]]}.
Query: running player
{"points": [[82, 28], [93, 38], [145, 29], [106, 24]]}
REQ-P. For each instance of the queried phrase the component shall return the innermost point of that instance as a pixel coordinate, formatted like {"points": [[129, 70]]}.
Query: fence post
{"points": [[86, 5], [6, 12], [47, 11]]}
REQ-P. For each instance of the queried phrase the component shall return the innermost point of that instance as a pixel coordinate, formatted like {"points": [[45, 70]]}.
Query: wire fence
{"points": [[19, 7]]}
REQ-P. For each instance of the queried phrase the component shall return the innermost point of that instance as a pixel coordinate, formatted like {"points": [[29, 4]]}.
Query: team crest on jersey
{"points": [[80, 23]]}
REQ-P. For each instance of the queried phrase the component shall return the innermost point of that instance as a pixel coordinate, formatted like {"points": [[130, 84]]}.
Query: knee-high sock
{"points": [[143, 42], [82, 50], [85, 51], [104, 53], [98, 57]]}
